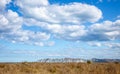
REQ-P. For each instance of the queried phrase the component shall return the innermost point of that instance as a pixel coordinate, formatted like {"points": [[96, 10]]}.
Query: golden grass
{"points": [[59, 68]]}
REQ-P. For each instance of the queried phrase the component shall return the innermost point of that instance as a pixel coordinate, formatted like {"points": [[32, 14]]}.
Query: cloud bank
{"points": [[67, 22]]}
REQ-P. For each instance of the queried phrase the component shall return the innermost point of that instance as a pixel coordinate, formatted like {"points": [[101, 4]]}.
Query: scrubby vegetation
{"points": [[59, 68]]}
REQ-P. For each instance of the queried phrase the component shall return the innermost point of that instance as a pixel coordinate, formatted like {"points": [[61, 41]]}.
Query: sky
{"points": [[36, 29]]}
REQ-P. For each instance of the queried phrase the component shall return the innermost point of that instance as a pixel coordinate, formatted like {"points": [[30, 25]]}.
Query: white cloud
{"points": [[66, 32], [10, 21], [69, 32], [62, 21], [112, 45], [32, 3], [97, 44], [11, 29], [59, 21], [24, 52], [107, 30], [3, 20], [41, 35], [3, 3], [39, 43], [74, 13], [28, 37]]}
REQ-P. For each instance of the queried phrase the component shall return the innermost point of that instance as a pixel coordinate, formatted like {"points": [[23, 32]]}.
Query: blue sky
{"points": [[35, 29]]}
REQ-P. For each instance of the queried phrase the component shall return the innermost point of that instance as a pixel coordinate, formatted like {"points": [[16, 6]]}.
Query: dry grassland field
{"points": [[59, 68]]}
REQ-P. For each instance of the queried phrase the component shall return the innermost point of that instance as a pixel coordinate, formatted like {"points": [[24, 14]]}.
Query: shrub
{"points": [[89, 62], [116, 62]]}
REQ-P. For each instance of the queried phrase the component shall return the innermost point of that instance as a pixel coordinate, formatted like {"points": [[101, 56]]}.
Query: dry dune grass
{"points": [[60, 68]]}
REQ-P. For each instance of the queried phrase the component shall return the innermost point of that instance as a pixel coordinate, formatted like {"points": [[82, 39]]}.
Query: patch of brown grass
{"points": [[60, 68]]}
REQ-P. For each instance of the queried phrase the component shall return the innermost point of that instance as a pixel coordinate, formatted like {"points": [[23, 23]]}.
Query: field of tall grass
{"points": [[59, 68]]}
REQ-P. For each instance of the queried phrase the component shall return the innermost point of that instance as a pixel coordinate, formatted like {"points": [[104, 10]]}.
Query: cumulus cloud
{"points": [[67, 32], [3, 3], [112, 45], [105, 31], [59, 21], [32, 3], [11, 29], [62, 21], [74, 13], [96, 44], [10, 21], [49, 43]]}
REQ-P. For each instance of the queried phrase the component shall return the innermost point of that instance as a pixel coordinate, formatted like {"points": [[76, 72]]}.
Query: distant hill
{"points": [[78, 60], [105, 60]]}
